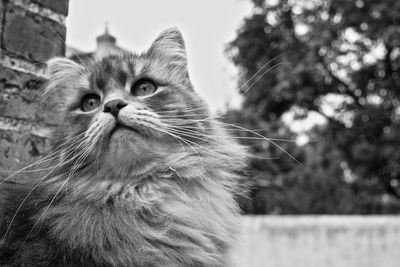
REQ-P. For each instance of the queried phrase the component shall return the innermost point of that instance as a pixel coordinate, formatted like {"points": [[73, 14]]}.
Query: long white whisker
{"points": [[62, 40], [47, 158], [181, 110], [181, 139], [76, 166], [36, 185], [265, 72], [265, 138], [197, 133], [215, 143], [263, 66]]}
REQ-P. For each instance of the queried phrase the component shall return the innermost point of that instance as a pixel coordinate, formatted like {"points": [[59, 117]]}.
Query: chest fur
{"points": [[149, 226]]}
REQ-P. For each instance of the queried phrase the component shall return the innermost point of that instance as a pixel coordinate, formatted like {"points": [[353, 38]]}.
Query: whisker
{"points": [[183, 140], [216, 143], [265, 138], [56, 153], [47, 158], [62, 40], [263, 66], [181, 110], [262, 74], [82, 157], [194, 143], [193, 135], [196, 115], [194, 132], [244, 129], [33, 189]]}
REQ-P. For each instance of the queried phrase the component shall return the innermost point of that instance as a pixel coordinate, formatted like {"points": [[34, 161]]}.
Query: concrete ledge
{"points": [[318, 241]]}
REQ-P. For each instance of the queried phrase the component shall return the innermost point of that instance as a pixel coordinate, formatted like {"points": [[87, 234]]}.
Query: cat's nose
{"points": [[114, 106]]}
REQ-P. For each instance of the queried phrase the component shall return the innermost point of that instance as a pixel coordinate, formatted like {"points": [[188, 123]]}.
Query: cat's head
{"points": [[128, 112]]}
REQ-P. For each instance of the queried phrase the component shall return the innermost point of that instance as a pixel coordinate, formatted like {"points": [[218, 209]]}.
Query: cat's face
{"points": [[127, 112]]}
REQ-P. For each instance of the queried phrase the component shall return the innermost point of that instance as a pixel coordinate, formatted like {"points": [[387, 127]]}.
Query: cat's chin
{"points": [[130, 153], [122, 131], [125, 143]]}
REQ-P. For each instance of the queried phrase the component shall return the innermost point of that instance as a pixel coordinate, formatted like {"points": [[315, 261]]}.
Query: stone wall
{"points": [[31, 31], [318, 241]]}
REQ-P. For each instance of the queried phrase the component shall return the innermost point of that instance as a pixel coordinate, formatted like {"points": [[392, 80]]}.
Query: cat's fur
{"points": [[138, 197]]}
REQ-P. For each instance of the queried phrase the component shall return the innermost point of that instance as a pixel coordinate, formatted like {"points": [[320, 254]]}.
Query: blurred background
{"points": [[320, 78], [339, 66]]}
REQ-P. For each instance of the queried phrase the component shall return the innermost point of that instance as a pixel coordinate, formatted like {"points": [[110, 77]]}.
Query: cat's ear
{"points": [[60, 66], [170, 44], [62, 76]]}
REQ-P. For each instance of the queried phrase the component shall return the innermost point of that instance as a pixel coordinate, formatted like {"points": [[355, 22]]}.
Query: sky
{"points": [[207, 26]]}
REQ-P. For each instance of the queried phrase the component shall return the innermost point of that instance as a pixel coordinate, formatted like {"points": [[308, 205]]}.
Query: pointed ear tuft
{"points": [[169, 43], [62, 74], [58, 65]]}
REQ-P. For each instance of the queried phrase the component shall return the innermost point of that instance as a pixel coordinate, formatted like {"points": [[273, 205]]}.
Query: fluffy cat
{"points": [[140, 173]]}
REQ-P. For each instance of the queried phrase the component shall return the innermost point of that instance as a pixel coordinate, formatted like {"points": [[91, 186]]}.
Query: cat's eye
{"points": [[90, 102], [143, 87]]}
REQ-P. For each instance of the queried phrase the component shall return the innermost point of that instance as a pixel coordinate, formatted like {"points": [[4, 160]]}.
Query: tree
{"points": [[343, 60]]}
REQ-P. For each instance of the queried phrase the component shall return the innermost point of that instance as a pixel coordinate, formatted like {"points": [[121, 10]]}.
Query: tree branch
{"points": [[388, 62], [338, 81], [328, 118]]}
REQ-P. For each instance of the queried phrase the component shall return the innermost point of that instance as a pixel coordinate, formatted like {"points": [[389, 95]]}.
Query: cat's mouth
{"points": [[120, 128]]}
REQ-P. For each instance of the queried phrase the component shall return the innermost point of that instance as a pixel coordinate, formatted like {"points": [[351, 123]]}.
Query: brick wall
{"points": [[31, 31]]}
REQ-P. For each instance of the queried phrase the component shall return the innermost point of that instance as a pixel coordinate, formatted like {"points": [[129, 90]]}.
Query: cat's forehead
{"points": [[115, 69]]}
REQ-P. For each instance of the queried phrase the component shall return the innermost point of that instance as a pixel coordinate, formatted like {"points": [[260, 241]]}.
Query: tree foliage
{"points": [[339, 59]]}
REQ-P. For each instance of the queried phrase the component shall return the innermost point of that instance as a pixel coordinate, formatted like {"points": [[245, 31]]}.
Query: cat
{"points": [[141, 174]]}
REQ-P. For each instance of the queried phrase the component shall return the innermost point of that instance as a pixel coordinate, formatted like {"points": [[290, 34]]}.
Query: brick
{"points": [[15, 78], [20, 95], [33, 37], [2, 10], [19, 149], [1, 14], [17, 106], [31, 32], [59, 6]]}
